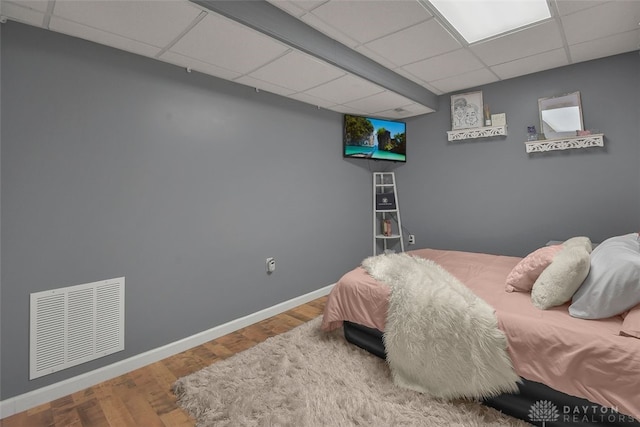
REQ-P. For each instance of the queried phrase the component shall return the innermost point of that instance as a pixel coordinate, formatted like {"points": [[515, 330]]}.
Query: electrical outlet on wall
{"points": [[271, 264], [412, 239]]}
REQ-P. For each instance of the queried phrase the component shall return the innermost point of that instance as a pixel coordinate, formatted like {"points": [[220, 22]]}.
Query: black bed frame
{"points": [[572, 411]]}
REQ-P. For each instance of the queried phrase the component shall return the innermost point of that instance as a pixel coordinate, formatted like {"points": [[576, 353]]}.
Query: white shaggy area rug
{"points": [[306, 377]]}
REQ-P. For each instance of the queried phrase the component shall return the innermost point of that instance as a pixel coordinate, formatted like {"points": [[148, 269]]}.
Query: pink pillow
{"points": [[525, 273], [631, 324]]}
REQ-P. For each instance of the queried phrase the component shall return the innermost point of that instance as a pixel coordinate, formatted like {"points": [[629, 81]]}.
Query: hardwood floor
{"points": [[143, 397]]}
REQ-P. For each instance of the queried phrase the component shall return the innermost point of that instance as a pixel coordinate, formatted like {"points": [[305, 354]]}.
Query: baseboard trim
{"points": [[51, 392]]}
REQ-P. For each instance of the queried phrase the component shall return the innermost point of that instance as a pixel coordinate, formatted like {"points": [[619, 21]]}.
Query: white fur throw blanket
{"points": [[441, 339]]}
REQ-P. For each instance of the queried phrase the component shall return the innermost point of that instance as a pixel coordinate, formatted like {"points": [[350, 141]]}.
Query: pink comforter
{"points": [[584, 358]]}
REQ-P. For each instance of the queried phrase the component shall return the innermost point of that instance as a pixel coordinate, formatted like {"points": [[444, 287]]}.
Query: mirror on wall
{"points": [[560, 116]]}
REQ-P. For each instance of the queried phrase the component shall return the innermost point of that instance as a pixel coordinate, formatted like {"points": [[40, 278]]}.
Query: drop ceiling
{"points": [[386, 58]]}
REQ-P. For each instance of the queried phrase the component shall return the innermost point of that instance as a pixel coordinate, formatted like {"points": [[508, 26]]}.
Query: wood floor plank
{"points": [[90, 413], [66, 417], [39, 408], [143, 397], [220, 351], [177, 418], [142, 411], [116, 412], [256, 333], [235, 342], [162, 374], [304, 313], [42, 418]]}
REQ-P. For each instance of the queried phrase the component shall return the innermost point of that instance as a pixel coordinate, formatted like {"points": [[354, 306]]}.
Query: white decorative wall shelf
{"points": [[483, 132], [595, 140]]}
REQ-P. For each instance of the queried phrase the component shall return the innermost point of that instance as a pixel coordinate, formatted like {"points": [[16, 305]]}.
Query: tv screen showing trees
{"points": [[377, 139]]}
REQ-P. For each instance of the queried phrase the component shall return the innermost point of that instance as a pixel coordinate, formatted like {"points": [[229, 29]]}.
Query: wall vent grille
{"points": [[76, 324]]}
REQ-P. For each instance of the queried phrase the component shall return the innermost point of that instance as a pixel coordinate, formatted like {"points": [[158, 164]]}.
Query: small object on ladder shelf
{"points": [[386, 227], [385, 201]]}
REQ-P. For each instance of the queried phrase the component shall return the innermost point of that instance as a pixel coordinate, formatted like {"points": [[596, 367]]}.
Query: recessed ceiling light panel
{"points": [[477, 20]]}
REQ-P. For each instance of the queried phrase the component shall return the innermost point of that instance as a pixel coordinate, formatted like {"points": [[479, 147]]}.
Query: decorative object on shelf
{"points": [[487, 115], [466, 110], [385, 201], [595, 140], [499, 119], [532, 135], [560, 116], [562, 126], [386, 227], [483, 132]]}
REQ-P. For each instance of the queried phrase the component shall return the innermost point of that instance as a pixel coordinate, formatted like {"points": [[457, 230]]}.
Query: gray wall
{"points": [[490, 195], [117, 165], [1, 342]]}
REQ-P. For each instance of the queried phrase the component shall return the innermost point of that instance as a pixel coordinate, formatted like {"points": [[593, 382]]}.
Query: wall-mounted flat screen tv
{"points": [[377, 139]]}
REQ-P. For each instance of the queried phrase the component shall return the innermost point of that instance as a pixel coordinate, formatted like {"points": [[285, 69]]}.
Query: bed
{"points": [[587, 369]]}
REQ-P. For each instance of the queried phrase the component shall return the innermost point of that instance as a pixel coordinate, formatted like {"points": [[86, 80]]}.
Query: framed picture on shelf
{"points": [[466, 110], [499, 119], [385, 201]]}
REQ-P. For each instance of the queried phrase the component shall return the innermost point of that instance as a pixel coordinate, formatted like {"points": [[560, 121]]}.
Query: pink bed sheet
{"points": [[583, 358]]}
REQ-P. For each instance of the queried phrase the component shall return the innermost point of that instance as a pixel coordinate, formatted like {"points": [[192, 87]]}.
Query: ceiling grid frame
{"points": [[312, 28]]}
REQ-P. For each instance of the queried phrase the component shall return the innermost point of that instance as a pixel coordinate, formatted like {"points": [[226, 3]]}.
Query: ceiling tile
{"points": [[405, 112], [418, 109], [348, 110], [259, 84], [414, 44], [194, 64], [304, 5], [312, 100], [531, 64], [380, 102], [617, 43], [449, 64], [606, 19], [328, 30], [367, 20], [297, 71], [219, 41], [467, 80], [156, 23], [289, 6], [22, 14], [415, 79], [39, 5], [376, 57], [566, 7], [530, 41], [345, 89], [404, 73], [102, 37]]}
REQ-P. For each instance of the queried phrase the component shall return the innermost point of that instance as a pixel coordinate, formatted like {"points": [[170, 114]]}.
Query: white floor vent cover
{"points": [[73, 325]]}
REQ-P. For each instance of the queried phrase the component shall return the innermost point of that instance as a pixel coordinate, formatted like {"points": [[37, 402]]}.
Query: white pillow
{"points": [[558, 282], [613, 285], [583, 241]]}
